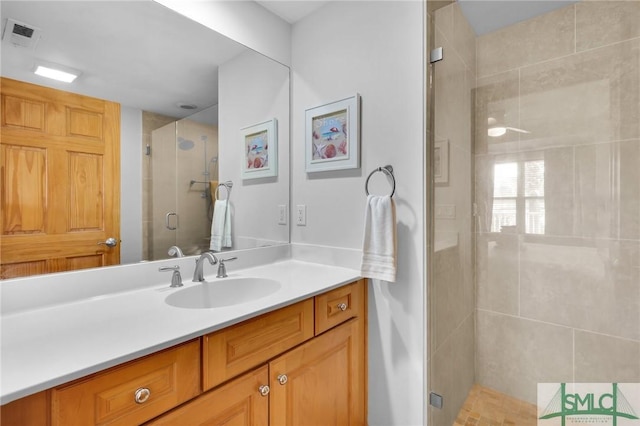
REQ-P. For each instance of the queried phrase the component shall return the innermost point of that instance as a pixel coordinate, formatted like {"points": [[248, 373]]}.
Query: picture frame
{"points": [[441, 162], [260, 147], [332, 136]]}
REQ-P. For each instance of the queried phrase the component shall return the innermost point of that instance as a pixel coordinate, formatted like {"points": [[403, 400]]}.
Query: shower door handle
{"points": [[167, 221]]}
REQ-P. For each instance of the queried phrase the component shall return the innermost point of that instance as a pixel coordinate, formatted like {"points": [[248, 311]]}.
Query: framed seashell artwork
{"points": [[332, 136], [260, 144]]}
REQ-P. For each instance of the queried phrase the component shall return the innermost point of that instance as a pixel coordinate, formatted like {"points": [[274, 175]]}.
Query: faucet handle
{"points": [[176, 278], [222, 269]]}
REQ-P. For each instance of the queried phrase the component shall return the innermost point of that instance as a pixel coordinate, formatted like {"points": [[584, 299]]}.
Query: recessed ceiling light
{"points": [[57, 72], [184, 105]]}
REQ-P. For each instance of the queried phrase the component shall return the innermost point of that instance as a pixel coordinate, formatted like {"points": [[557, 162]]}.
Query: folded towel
{"points": [[379, 245], [220, 226]]}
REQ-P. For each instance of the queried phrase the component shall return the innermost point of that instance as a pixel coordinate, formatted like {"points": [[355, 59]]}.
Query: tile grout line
{"points": [[568, 327]]}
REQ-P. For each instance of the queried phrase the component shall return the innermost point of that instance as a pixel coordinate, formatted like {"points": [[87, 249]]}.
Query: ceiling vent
{"points": [[21, 34]]}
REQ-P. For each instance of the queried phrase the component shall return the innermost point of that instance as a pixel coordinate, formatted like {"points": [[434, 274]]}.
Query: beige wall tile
{"points": [[599, 23], [444, 22], [464, 38], [453, 114], [586, 284], [539, 39], [452, 295], [453, 371], [608, 190], [496, 98], [606, 359], [584, 98], [497, 273], [515, 354]]}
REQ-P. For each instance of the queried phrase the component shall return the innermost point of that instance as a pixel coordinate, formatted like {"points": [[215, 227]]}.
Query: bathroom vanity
{"points": [[303, 362]]}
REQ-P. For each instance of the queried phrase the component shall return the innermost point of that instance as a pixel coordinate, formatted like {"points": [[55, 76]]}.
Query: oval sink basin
{"points": [[225, 292]]}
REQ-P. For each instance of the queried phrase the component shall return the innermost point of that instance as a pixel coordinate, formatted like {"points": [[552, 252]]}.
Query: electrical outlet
{"points": [[282, 214], [301, 215]]}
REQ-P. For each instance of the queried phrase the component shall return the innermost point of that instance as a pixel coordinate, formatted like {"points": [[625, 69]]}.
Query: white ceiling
{"points": [[137, 53], [291, 10], [486, 16]]}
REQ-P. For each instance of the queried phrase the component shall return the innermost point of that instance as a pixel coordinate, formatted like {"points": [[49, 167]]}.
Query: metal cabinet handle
{"points": [[166, 221], [264, 390], [142, 395], [282, 379], [109, 242], [343, 306]]}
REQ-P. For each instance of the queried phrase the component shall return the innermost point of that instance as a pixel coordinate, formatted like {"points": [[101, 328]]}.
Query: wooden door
{"points": [[237, 403], [60, 180], [325, 380]]}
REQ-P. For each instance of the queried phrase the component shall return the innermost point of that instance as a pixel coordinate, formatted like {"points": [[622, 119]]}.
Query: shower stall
{"points": [[534, 258], [184, 176]]}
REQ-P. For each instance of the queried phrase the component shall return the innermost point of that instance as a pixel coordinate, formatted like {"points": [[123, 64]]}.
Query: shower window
{"points": [[518, 197]]}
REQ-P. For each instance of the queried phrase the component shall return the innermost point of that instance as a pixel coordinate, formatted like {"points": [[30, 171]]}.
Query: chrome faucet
{"points": [[175, 251], [198, 275], [176, 279], [222, 269]]}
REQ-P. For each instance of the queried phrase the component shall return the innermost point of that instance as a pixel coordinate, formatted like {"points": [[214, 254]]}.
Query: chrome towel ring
{"points": [[387, 170], [227, 185]]}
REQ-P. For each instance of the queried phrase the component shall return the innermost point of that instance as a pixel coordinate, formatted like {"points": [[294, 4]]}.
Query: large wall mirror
{"points": [[202, 118]]}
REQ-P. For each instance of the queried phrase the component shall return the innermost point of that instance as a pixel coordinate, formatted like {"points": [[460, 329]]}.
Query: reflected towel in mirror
{"points": [[220, 226], [379, 245]]}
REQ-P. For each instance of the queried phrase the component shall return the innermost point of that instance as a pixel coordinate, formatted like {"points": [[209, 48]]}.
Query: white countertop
{"points": [[51, 345]]}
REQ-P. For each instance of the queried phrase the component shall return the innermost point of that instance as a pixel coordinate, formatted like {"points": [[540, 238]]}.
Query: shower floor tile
{"points": [[488, 407]]}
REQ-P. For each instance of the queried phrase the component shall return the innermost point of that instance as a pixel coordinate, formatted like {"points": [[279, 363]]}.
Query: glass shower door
{"points": [[451, 296]]}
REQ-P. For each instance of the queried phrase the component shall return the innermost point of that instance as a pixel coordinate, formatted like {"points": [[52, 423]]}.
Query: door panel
{"points": [[60, 180], [324, 382]]}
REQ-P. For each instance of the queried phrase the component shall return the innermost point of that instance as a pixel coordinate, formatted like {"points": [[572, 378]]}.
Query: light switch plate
{"points": [[282, 214]]}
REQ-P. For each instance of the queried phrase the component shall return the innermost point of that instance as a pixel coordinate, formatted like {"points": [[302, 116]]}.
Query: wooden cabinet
{"points": [[336, 306], [133, 393], [238, 348], [304, 364], [322, 382]]}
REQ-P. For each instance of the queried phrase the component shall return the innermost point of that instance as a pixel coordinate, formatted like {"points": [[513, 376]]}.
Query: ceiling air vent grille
{"points": [[21, 34]]}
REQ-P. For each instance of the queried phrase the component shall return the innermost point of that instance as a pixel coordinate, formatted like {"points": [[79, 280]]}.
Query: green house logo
{"points": [[584, 404]]}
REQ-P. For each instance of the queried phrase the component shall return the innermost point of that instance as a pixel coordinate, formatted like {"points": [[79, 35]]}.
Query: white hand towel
{"points": [[220, 226], [379, 245]]}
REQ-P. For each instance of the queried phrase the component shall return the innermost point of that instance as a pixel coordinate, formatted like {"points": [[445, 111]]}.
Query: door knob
{"points": [[110, 242]]}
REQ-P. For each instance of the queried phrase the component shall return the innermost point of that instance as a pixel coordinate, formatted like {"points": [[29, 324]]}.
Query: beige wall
{"points": [[563, 306], [451, 288]]}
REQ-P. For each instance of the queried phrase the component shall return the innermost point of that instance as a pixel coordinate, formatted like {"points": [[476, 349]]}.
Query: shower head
{"points": [[185, 144]]}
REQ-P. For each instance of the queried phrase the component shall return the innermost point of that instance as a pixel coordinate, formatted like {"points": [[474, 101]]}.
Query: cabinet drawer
{"points": [[236, 349], [337, 306], [109, 398]]}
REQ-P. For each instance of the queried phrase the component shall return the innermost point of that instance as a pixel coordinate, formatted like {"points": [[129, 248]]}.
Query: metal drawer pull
{"points": [[264, 390], [282, 379], [343, 306], [142, 395]]}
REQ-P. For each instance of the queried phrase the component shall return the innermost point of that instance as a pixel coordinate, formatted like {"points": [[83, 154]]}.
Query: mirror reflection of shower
{"points": [[184, 163]]}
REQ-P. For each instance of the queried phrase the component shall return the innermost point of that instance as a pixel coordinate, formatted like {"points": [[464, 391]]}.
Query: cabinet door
{"points": [[321, 382], [237, 403]]}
